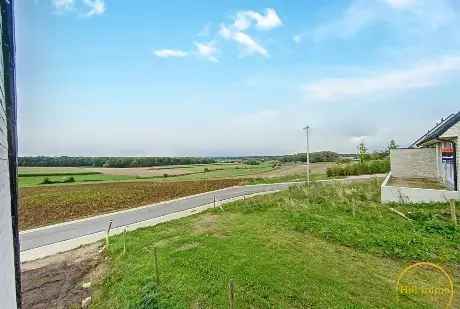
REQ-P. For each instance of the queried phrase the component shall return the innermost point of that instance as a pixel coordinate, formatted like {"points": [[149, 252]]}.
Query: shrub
{"points": [[68, 179], [354, 169], [165, 175], [46, 181], [252, 162]]}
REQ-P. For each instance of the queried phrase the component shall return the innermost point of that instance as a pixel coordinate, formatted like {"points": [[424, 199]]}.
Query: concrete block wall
{"points": [[414, 163]]}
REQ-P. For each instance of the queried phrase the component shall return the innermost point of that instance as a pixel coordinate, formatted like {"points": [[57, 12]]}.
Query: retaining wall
{"points": [[414, 195], [414, 163]]}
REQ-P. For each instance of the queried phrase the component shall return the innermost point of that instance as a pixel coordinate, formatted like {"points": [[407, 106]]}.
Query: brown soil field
{"points": [[40, 206], [140, 171]]}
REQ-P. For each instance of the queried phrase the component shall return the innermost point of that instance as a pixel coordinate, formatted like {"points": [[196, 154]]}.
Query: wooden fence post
{"points": [[157, 271], [124, 240], [108, 234], [231, 294], [453, 213]]}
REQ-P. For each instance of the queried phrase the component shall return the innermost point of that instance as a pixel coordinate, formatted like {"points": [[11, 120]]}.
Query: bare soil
{"points": [[420, 183], [41, 206], [63, 280], [297, 169]]}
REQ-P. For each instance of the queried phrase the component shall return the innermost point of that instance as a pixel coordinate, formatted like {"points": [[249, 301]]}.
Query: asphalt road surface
{"points": [[74, 229], [79, 228]]}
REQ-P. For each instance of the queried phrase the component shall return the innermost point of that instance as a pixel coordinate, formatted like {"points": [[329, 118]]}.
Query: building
{"points": [[427, 171], [10, 290]]}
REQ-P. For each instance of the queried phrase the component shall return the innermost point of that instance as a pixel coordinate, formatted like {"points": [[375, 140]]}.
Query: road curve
{"points": [[62, 232]]}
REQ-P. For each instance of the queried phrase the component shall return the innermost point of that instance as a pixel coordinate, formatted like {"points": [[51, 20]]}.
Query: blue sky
{"points": [[179, 78]]}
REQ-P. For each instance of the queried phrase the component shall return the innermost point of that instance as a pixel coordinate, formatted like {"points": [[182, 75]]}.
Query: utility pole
{"points": [[307, 131]]}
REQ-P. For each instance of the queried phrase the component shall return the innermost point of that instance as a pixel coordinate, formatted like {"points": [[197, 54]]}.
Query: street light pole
{"points": [[307, 130]]}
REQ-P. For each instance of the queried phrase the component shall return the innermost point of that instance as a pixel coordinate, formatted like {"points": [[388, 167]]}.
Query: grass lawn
{"points": [[331, 246]]}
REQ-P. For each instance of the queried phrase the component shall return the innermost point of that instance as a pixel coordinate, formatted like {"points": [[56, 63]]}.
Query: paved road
{"points": [[61, 232]]}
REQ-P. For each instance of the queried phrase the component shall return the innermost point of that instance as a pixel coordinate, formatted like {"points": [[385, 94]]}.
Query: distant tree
{"points": [[392, 145], [362, 152]]}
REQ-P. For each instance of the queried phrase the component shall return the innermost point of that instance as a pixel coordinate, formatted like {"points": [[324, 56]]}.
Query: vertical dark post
{"points": [[107, 235], [8, 50], [231, 294], [124, 241], [453, 212], [455, 167], [157, 271]]}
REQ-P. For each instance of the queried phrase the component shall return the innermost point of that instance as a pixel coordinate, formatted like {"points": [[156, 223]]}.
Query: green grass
{"points": [[30, 177], [30, 181], [301, 248], [287, 178]]}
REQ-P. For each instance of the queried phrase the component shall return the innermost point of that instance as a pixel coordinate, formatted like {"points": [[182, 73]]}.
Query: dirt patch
{"points": [[189, 246], [41, 206], [420, 183], [297, 169], [206, 224], [63, 280]]}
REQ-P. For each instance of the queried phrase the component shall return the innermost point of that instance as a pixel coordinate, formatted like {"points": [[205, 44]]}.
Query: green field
{"points": [[79, 178], [330, 246], [35, 176]]}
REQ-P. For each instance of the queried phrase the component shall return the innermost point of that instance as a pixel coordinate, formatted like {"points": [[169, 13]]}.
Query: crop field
{"points": [[328, 246], [35, 176], [43, 205]]}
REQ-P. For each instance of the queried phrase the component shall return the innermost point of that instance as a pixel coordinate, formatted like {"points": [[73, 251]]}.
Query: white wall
{"points": [[7, 267]]}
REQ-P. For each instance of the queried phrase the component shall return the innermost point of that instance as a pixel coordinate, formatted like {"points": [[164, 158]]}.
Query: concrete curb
{"points": [[63, 246]]}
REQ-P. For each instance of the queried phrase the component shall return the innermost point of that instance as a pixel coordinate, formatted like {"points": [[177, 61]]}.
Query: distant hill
{"points": [[64, 161]]}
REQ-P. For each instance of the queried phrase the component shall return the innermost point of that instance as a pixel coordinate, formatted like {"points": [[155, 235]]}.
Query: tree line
{"points": [[315, 157], [62, 161]]}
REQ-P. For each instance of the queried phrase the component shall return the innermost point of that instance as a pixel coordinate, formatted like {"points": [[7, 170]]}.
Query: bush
{"points": [[355, 169], [68, 179], [46, 181], [165, 175], [251, 162]]}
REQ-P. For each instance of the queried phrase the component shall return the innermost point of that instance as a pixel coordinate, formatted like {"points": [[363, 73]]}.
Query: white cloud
{"points": [[405, 16], [268, 21], [250, 46], [96, 7], [243, 21], [62, 5], [207, 50], [426, 74], [170, 53]]}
